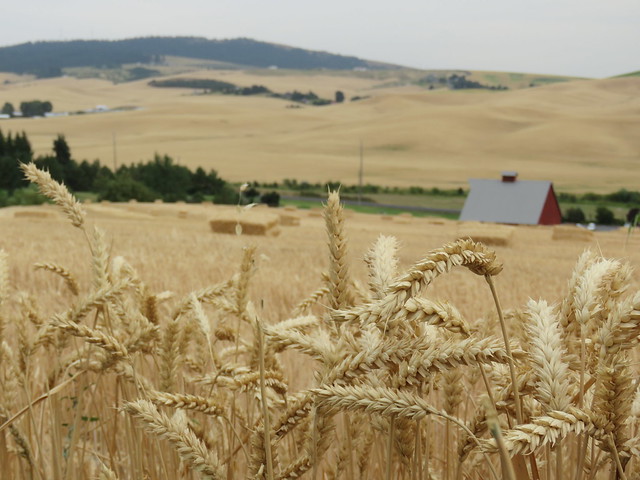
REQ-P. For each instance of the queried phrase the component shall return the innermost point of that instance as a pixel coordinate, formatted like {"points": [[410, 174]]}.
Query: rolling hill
{"points": [[50, 59], [581, 134]]}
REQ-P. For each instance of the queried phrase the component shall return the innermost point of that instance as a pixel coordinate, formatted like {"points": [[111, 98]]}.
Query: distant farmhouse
{"points": [[512, 201]]}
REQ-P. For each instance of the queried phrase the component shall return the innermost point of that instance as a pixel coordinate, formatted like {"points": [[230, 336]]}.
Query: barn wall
{"points": [[551, 214]]}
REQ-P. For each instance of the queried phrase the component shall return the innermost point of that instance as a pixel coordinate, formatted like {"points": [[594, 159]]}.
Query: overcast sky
{"points": [[591, 38]]}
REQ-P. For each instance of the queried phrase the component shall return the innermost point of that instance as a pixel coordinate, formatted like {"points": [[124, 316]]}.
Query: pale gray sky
{"points": [[592, 38]]}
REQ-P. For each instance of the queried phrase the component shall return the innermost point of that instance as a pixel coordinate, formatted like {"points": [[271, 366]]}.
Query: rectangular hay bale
{"points": [[289, 220], [569, 232], [33, 214], [494, 235], [404, 218], [247, 222]]}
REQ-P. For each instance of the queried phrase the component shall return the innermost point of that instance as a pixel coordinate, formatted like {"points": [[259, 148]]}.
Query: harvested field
{"points": [[411, 136], [565, 232], [141, 339]]}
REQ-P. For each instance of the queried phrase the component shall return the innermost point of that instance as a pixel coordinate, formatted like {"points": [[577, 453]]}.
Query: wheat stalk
{"points": [[56, 192], [191, 450], [68, 278], [339, 291]]}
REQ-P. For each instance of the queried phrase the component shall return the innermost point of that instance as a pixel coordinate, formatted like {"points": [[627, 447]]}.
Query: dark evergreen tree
{"points": [[51, 164], [62, 150], [22, 147]]}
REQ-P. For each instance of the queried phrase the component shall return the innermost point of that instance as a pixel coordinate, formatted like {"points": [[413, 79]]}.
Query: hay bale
{"points": [[105, 202], [158, 200], [183, 214], [436, 221], [494, 235], [388, 218], [569, 232], [250, 223], [290, 208], [404, 218], [316, 212], [289, 220], [133, 200], [36, 214]]}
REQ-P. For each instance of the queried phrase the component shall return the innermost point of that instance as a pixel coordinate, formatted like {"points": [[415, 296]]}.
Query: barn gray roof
{"points": [[519, 202]]}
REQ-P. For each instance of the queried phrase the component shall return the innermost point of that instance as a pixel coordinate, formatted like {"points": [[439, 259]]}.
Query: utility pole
{"points": [[360, 173], [115, 152]]}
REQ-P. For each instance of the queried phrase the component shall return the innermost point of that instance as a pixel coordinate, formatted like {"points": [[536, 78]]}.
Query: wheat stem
{"points": [[507, 346]]}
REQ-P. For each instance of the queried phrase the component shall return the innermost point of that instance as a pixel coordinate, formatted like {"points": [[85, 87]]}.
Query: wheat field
{"points": [[579, 134], [137, 343]]}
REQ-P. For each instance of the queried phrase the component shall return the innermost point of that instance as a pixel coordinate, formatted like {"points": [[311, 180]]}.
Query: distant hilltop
{"points": [[49, 58]]}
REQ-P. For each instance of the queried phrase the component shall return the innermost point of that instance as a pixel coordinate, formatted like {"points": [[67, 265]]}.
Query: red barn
{"points": [[512, 201]]}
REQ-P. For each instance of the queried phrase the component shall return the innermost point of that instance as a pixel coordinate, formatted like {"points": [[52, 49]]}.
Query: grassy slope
{"points": [[579, 134], [630, 74]]}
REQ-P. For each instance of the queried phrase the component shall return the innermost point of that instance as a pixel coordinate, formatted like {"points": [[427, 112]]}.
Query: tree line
{"points": [[226, 88], [160, 178], [48, 59], [33, 108]]}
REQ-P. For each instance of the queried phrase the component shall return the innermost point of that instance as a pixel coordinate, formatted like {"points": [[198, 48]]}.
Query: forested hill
{"points": [[47, 59]]}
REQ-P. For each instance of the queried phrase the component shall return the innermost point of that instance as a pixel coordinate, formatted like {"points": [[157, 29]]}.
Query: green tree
{"points": [[604, 216], [62, 150], [575, 215], [163, 176], [35, 108], [226, 195], [22, 147], [271, 198], [7, 109], [11, 177], [251, 194], [123, 188], [339, 97]]}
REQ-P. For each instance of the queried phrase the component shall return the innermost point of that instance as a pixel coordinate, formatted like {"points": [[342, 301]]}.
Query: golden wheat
{"points": [[123, 380]]}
